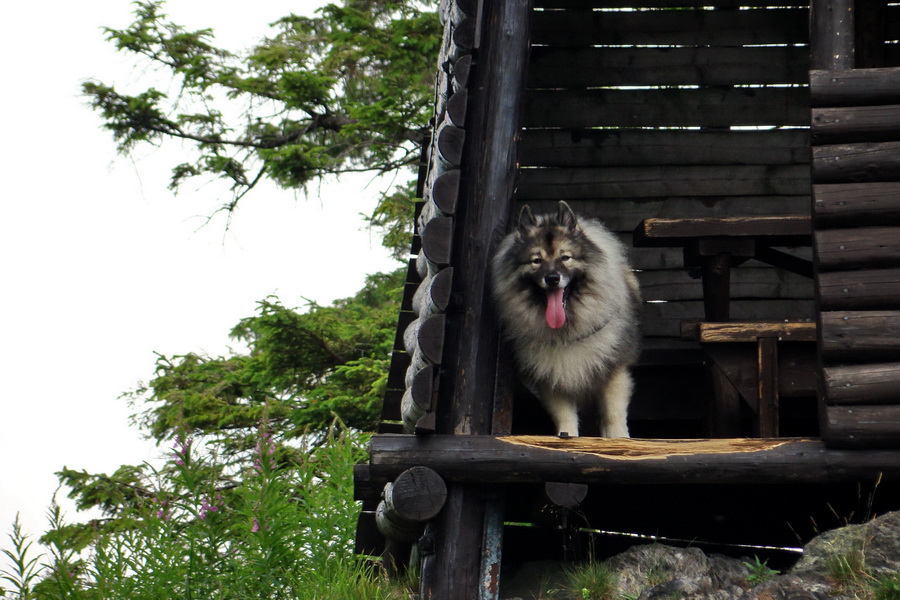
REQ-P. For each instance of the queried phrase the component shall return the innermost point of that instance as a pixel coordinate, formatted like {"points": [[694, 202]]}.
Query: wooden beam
{"points": [[513, 459], [841, 86], [866, 161], [873, 289], [861, 335], [777, 231], [863, 384], [855, 124], [868, 203], [862, 247], [863, 427]]}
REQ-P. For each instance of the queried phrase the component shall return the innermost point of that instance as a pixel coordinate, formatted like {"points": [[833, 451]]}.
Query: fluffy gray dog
{"points": [[569, 304]]}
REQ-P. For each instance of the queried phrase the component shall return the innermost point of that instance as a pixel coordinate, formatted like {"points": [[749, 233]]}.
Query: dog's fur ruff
{"points": [[569, 305]]}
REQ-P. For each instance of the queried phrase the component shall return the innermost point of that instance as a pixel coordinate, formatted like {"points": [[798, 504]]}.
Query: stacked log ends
{"points": [[414, 498], [856, 153], [423, 338]]}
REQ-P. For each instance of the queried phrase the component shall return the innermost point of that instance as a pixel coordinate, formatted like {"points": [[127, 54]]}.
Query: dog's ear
{"points": [[566, 216], [526, 219]]}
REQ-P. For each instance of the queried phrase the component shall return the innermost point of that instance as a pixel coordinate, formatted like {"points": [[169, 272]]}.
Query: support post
{"points": [[462, 560]]}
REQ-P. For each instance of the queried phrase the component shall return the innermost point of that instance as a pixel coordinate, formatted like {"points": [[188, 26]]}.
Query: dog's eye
{"points": [[537, 261], [565, 258]]}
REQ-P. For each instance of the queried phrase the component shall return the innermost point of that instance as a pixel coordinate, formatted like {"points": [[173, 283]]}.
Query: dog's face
{"points": [[552, 253]]}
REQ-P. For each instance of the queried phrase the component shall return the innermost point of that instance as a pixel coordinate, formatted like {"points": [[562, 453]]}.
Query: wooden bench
{"points": [[715, 245]]}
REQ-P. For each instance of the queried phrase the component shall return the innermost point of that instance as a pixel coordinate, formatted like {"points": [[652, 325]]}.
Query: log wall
{"points": [[856, 153], [634, 113]]}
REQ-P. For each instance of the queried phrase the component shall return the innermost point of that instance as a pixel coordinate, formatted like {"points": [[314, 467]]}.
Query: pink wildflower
{"points": [[255, 527]]}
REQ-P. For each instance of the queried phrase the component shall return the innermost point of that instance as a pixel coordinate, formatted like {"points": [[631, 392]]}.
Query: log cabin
{"points": [[748, 152]]}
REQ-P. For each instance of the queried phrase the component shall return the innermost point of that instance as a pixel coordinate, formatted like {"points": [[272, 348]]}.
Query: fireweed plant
{"points": [[280, 527]]}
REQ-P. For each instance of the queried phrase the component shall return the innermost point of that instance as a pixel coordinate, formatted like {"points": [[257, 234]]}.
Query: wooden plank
{"points": [[869, 203], [862, 427], [622, 215], [751, 331], [701, 107], [863, 384], [854, 87], [861, 335], [652, 182], [688, 27], [626, 148], [870, 161], [872, 289], [778, 231], [664, 319], [863, 247], [610, 461], [856, 124], [674, 285], [573, 67]]}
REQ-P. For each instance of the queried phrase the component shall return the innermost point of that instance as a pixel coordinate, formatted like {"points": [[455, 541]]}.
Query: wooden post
{"points": [[831, 32], [462, 563]]}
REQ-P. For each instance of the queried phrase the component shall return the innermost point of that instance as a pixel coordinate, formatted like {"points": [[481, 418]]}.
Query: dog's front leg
{"points": [[563, 410], [613, 405]]}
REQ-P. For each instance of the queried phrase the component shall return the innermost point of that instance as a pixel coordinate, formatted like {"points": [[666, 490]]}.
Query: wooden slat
{"points": [[854, 87], [860, 290], [704, 107], [566, 67], [673, 285], [682, 27], [856, 124], [795, 230], [868, 203], [863, 247], [870, 161], [650, 182], [861, 335], [863, 427], [626, 148], [750, 331], [623, 214]]}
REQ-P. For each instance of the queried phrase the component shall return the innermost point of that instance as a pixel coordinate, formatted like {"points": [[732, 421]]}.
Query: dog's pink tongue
{"points": [[556, 313]]}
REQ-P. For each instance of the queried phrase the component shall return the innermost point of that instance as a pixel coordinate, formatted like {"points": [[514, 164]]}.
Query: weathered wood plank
{"points": [[750, 332], [863, 247], [869, 161], [861, 335], [626, 148], [622, 215], [683, 27], [856, 124], [702, 107], [864, 427], [854, 87], [475, 459], [869, 203], [676, 285], [872, 289], [777, 231], [664, 319], [573, 67], [650, 182]]}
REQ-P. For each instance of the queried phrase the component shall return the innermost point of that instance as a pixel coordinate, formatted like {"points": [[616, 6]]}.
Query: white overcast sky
{"points": [[102, 266]]}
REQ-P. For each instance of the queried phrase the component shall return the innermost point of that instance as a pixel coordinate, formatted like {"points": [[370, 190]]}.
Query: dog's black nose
{"points": [[552, 279]]}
